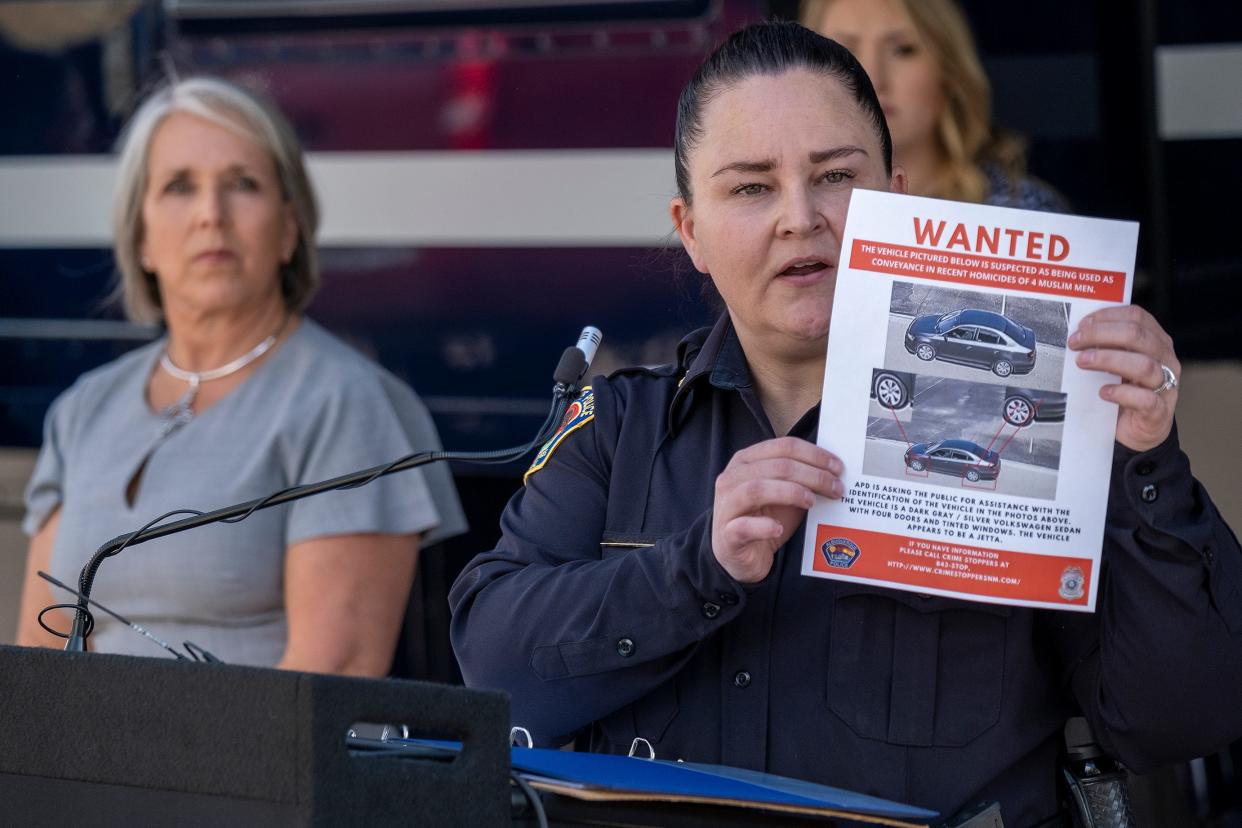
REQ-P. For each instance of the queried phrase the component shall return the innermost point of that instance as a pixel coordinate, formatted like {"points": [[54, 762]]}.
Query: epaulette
{"points": [[667, 370]]}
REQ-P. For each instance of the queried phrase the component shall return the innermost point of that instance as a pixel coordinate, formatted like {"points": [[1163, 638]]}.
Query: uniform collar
{"points": [[717, 353], [712, 355]]}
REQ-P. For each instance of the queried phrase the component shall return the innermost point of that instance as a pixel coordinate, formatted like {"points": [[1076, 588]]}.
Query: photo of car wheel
{"points": [[925, 352], [1024, 406], [892, 389], [1002, 367], [1018, 412]]}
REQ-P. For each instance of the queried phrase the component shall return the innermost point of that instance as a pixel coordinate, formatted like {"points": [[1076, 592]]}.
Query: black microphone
{"points": [[569, 372], [577, 358]]}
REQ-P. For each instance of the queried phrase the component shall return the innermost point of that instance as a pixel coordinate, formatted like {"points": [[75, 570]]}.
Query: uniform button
{"points": [[741, 679], [1146, 467], [625, 647], [1149, 493], [1208, 554], [728, 598], [711, 610]]}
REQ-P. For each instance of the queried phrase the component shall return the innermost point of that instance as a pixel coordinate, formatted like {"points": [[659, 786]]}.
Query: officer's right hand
{"points": [[762, 496]]}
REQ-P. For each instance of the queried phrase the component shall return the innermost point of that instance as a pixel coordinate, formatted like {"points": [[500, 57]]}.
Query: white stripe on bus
{"points": [[537, 198]]}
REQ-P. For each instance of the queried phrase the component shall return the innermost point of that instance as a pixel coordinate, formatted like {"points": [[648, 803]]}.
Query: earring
{"points": [[146, 265]]}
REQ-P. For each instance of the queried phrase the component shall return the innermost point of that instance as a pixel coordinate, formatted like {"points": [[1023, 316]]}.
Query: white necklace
{"points": [[180, 413]]}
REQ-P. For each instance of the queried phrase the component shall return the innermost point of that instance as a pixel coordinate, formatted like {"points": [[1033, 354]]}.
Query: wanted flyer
{"points": [[977, 453]]}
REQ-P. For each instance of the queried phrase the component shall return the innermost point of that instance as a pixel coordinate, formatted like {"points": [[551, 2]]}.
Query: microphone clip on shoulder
{"points": [[574, 363]]}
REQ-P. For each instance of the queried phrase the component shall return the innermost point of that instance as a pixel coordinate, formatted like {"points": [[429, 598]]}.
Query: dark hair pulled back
{"points": [[769, 49]]}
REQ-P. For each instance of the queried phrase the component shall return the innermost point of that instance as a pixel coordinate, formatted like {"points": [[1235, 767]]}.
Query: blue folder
{"points": [[607, 776], [709, 784]]}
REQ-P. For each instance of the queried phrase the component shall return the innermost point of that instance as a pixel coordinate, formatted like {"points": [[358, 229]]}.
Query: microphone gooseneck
{"points": [[567, 381], [76, 640]]}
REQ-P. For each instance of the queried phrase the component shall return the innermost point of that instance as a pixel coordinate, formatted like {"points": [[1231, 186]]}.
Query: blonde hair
{"points": [[245, 113], [964, 130]]}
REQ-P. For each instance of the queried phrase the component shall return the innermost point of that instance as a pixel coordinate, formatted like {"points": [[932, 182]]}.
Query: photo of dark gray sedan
{"points": [[977, 338], [960, 458], [1024, 406]]}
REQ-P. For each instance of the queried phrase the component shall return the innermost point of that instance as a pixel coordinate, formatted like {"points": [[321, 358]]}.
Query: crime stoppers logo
{"points": [[1072, 584], [840, 553]]}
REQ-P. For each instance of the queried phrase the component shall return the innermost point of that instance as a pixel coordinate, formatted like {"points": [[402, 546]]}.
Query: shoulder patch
{"points": [[580, 412]]}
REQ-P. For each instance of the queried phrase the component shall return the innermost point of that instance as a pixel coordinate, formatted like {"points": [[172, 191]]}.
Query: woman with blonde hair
{"points": [[214, 236], [922, 60]]}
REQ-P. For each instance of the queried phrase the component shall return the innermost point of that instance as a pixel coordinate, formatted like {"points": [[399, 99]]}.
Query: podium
{"points": [[99, 739]]}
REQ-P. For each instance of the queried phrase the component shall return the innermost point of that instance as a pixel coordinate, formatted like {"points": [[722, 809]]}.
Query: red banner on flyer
{"points": [[951, 566], [986, 271]]}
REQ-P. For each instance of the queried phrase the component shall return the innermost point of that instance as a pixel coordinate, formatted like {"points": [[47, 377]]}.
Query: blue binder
{"points": [[607, 777], [617, 778]]}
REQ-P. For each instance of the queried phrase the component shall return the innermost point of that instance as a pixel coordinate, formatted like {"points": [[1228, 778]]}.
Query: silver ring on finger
{"points": [[1170, 379]]}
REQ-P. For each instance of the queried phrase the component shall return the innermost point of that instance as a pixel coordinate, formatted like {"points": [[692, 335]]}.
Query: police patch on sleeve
{"points": [[580, 412]]}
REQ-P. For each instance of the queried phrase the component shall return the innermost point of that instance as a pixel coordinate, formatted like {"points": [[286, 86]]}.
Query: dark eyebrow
{"points": [[747, 166], [835, 153], [767, 165]]}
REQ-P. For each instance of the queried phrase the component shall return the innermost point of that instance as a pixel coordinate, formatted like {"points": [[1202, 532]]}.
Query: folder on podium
{"points": [[610, 778], [625, 780]]}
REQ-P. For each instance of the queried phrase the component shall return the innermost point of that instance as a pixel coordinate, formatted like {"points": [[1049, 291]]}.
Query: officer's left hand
{"points": [[1129, 342], [761, 499]]}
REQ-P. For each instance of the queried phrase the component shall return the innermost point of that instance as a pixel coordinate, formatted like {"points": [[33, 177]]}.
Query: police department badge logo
{"points": [[840, 553], [580, 412], [1072, 584]]}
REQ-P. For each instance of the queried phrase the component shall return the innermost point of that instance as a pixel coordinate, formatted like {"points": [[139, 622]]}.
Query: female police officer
{"points": [[647, 581]]}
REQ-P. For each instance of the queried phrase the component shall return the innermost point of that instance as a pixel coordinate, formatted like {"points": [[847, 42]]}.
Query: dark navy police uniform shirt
{"points": [[605, 615]]}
